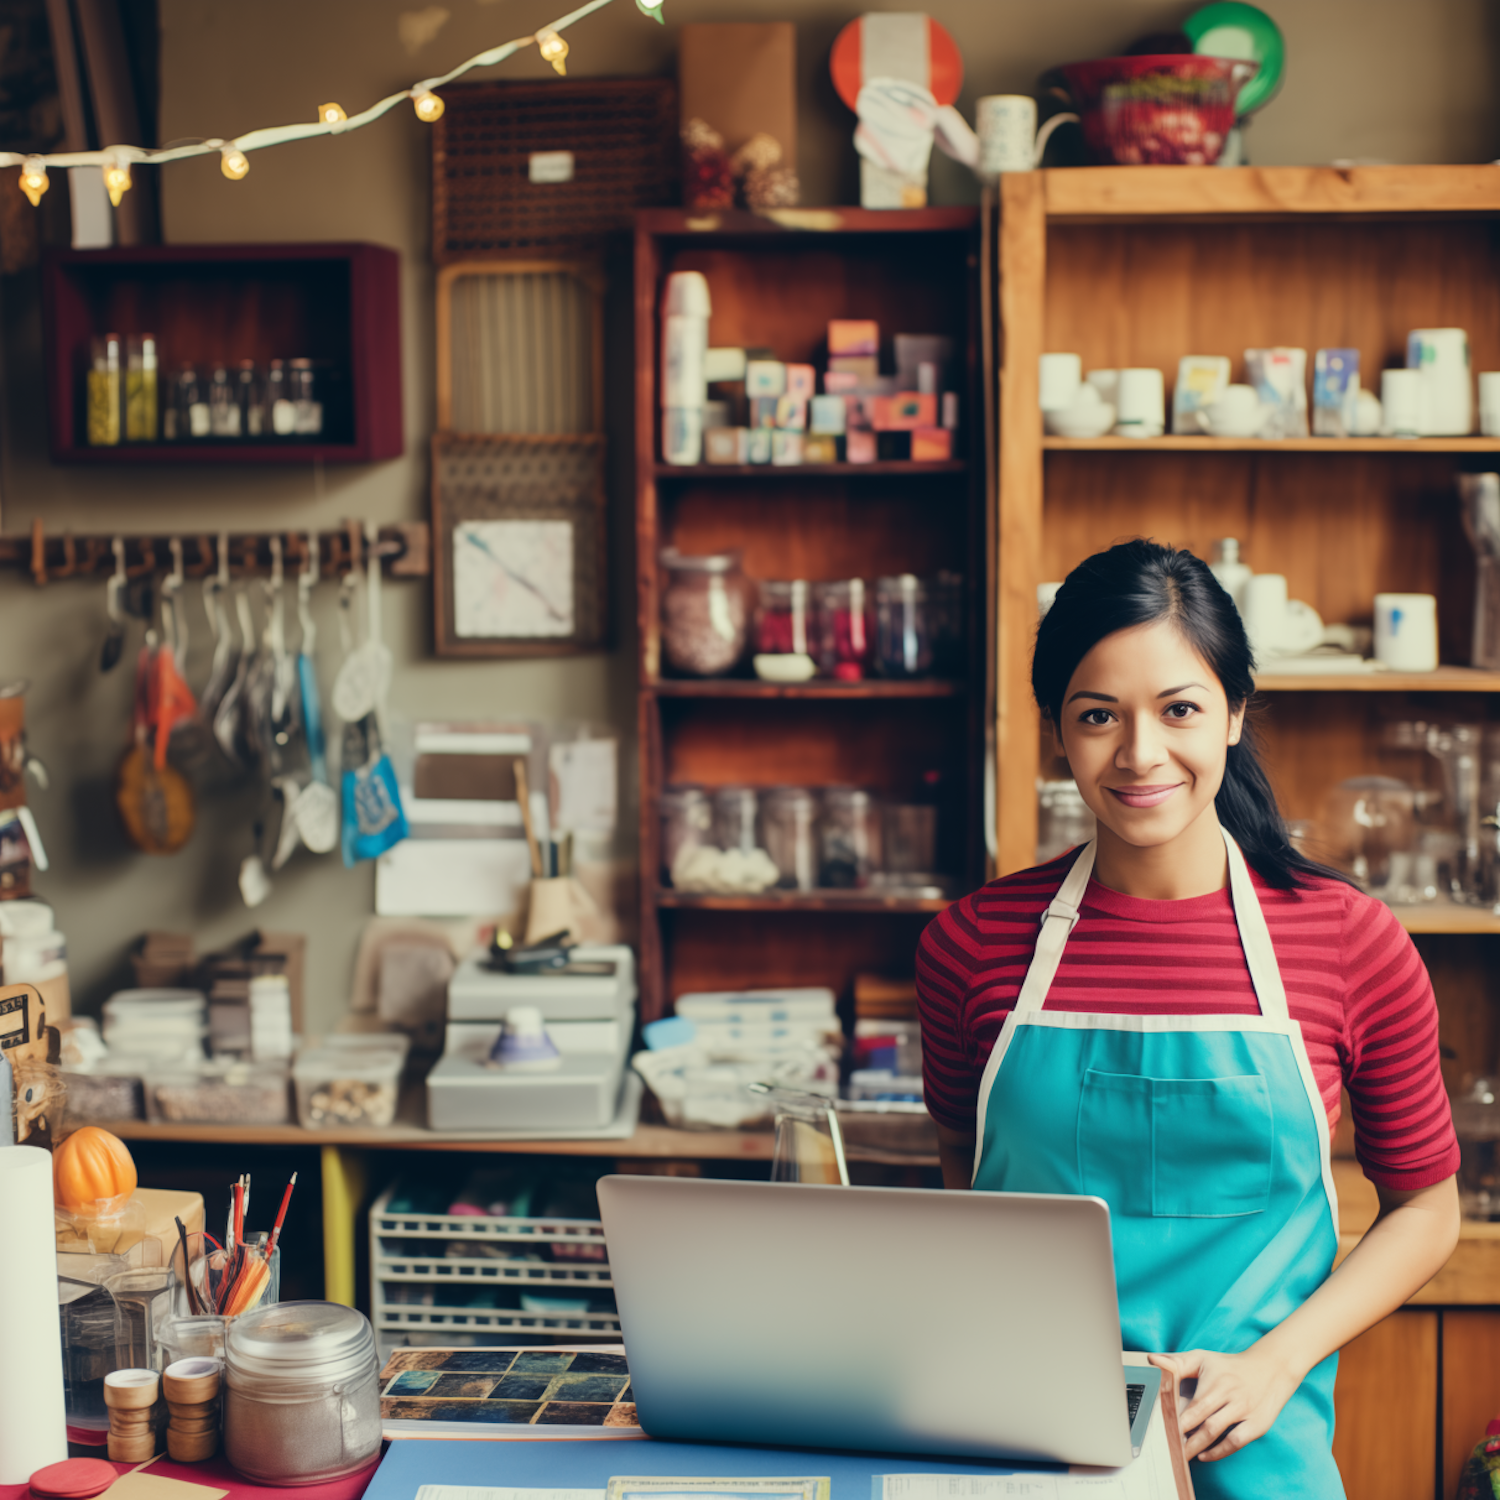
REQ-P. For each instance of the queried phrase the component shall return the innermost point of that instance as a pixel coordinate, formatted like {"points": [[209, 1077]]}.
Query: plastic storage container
{"points": [[348, 1081], [168, 1025], [218, 1093], [705, 613], [301, 1393]]}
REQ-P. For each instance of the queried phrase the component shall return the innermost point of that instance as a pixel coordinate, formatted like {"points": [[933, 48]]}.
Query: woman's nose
{"points": [[1141, 747]]}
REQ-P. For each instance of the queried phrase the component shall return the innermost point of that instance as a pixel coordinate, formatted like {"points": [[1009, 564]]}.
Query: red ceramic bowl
{"points": [[1173, 109]]}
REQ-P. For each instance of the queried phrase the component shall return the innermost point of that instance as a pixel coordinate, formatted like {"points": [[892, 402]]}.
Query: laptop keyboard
{"points": [[1133, 1397]]}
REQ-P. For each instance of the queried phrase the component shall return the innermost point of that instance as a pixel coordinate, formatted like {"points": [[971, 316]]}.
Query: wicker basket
{"points": [[622, 133]]}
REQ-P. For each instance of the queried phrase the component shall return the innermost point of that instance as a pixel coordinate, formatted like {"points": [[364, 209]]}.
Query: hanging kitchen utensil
{"points": [[229, 717], [155, 802], [114, 610], [226, 647], [373, 818], [178, 727], [317, 810]]}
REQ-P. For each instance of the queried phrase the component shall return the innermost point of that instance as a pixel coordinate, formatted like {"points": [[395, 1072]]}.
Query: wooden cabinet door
{"points": [[1386, 1402], [1471, 1385]]}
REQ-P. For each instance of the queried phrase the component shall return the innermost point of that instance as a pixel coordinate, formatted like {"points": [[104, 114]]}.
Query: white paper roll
{"points": [[33, 1432], [684, 348]]}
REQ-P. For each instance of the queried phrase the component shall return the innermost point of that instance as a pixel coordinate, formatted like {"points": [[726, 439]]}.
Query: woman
{"points": [[1165, 1018]]}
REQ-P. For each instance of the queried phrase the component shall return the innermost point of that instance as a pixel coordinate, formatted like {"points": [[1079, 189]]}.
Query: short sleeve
{"points": [[1403, 1123], [950, 1078]]}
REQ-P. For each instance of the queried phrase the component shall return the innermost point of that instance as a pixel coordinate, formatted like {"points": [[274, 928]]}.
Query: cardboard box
{"points": [[765, 377], [905, 412], [723, 364], [826, 415], [820, 448], [763, 411], [931, 445], [859, 446], [146, 1235], [801, 381], [840, 382], [726, 445], [791, 414], [862, 366], [786, 449], [853, 336], [758, 445]]}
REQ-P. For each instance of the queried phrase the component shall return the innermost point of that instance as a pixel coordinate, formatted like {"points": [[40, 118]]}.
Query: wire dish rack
{"points": [[456, 1279]]}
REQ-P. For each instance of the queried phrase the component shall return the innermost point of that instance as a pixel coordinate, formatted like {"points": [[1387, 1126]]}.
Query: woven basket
{"points": [[623, 136]]}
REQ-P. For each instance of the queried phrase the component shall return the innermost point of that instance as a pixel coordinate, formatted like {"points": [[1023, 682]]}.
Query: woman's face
{"points": [[1145, 726]]}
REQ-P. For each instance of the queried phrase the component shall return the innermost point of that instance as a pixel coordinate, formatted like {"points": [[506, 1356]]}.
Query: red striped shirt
{"points": [[1353, 981]]}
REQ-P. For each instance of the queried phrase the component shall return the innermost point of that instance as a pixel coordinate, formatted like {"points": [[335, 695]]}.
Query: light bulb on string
{"points": [[652, 8], [553, 49], [332, 114], [116, 178], [234, 164], [428, 106], [34, 179]]}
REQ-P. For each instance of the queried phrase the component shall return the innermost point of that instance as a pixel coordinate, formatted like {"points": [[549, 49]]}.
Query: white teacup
{"points": [[1276, 625], [1237, 413], [1141, 403]]}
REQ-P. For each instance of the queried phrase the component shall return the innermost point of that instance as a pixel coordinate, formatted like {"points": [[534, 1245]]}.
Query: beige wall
{"points": [[1368, 78]]}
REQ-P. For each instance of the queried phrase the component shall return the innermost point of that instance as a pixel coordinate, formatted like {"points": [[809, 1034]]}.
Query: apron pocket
{"points": [[1114, 1141], [1210, 1147]]}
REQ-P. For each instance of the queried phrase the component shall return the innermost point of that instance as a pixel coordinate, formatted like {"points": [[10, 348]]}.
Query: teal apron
{"points": [[1207, 1138]]}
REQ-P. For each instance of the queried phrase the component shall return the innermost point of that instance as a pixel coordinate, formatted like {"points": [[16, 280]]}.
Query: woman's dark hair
{"points": [[1140, 583]]}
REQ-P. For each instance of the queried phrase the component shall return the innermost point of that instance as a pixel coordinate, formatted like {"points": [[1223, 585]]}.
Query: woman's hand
{"points": [[1238, 1397]]}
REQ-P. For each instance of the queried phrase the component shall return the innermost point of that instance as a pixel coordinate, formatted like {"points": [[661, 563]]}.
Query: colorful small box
{"points": [[839, 382], [859, 411], [726, 445], [929, 445], [801, 381], [758, 446], [859, 446], [791, 413], [827, 415], [820, 448], [1335, 392], [853, 336], [863, 367], [765, 377], [786, 449], [724, 364], [905, 412], [763, 411]]}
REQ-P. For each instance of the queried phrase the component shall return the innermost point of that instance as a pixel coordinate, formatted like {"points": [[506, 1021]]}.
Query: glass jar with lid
{"points": [[301, 1393], [783, 619], [788, 819], [903, 627], [704, 612], [687, 824], [735, 815], [844, 628], [848, 838]]}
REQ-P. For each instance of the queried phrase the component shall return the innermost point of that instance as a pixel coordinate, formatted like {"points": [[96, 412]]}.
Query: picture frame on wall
{"points": [[518, 528]]}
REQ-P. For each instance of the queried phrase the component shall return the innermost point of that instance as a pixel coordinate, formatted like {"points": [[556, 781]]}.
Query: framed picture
{"points": [[518, 535]]}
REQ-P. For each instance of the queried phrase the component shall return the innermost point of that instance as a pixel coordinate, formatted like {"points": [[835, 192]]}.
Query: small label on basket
{"points": [[551, 166]]}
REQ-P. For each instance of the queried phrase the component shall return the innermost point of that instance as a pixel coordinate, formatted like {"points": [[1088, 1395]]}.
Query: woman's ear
{"points": [[1236, 724]]}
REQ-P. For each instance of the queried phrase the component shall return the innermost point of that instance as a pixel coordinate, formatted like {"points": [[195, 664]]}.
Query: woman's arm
{"points": [[956, 1152], [1239, 1395]]}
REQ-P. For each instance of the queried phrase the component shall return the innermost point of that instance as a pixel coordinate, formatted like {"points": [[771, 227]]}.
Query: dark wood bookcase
{"points": [[775, 281]]}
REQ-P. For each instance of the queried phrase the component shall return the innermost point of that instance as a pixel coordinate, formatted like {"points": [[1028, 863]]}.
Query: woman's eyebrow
{"points": [[1102, 697], [1171, 692]]}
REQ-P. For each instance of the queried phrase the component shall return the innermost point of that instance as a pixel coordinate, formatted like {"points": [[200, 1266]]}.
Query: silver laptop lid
{"points": [[883, 1319]]}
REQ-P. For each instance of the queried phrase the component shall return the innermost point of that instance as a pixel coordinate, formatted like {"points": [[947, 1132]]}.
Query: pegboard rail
{"points": [[403, 549]]}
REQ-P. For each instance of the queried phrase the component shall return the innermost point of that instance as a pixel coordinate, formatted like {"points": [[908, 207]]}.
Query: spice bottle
{"points": [[104, 393], [301, 1393], [252, 399], [223, 404], [140, 389], [705, 613]]}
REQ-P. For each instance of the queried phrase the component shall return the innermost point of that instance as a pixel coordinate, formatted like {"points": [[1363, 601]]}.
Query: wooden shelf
{"points": [[1185, 444], [1095, 193], [725, 687], [885, 468], [1448, 917], [802, 901], [1443, 680], [777, 222]]}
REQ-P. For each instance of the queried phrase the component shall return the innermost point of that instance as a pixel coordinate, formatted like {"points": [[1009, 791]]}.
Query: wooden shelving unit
{"points": [[1139, 266], [775, 281]]}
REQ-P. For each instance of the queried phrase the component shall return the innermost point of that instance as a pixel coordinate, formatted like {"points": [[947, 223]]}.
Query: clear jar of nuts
{"points": [[341, 1083], [705, 613]]}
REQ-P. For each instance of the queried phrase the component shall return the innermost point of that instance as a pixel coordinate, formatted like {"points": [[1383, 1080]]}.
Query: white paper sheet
{"points": [[485, 1492]]}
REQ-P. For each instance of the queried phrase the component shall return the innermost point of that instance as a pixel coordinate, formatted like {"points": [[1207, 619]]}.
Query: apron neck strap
{"points": [[1061, 917]]}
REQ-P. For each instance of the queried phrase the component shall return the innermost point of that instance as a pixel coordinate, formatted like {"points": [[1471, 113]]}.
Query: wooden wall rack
{"points": [[403, 550]]}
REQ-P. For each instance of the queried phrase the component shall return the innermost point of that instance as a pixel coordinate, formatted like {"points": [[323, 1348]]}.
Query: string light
{"points": [[553, 49], [116, 178], [34, 179], [234, 157]]}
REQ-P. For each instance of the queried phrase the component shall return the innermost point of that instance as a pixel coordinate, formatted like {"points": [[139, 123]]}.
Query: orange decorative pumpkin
{"points": [[93, 1175]]}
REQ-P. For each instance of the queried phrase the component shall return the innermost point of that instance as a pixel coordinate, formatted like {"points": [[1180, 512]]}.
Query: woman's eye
{"points": [[1182, 710], [1095, 717]]}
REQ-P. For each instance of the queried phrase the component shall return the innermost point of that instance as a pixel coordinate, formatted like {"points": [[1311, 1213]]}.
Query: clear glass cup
{"points": [[704, 613], [903, 627], [783, 621], [809, 1143], [844, 628], [848, 838], [199, 1336], [788, 825], [687, 824], [736, 811], [144, 1298]]}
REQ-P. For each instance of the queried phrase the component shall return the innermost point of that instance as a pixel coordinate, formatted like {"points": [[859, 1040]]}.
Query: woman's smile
{"points": [[1144, 796]]}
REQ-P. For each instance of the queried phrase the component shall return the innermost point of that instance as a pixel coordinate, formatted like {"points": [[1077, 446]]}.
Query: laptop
{"points": [[897, 1320]]}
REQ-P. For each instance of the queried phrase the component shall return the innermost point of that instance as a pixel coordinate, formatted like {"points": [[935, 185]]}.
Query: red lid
{"points": [[73, 1479]]}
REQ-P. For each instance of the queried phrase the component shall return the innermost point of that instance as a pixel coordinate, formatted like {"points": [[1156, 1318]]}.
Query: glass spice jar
{"points": [[301, 1393], [735, 813], [788, 818], [687, 824], [844, 628], [781, 627], [903, 627], [848, 838], [704, 613]]}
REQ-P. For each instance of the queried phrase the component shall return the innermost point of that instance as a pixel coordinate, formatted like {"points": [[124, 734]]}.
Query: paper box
{"points": [[763, 411], [1335, 392], [791, 413], [853, 336], [765, 377], [839, 382], [786, 448], [819, 448], [904, 412], [827, 415], [758, 446], [801, 381], [861, 366], [859, 446], [723, 364], [726, 445], [931, 445]]}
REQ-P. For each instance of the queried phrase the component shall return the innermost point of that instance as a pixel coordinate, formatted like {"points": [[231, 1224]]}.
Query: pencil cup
{"points": [[557, 904]]}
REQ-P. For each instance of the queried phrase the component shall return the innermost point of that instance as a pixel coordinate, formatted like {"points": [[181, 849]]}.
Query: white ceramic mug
{"points": [[1489, 403], [1406, 631], [1441, 357], [1265, 604], [1060, 377], [1237, 413], [1401, 400], [1369, 415], [1106, 382], [1008, 138], [1141, 403]]}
